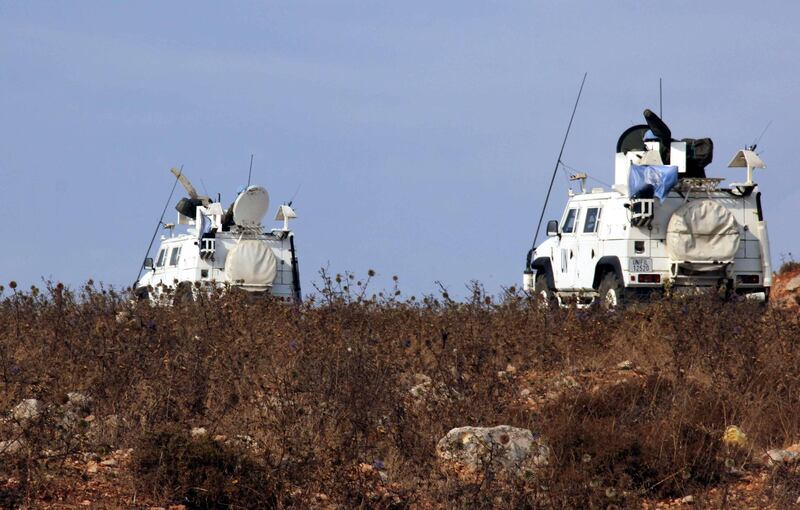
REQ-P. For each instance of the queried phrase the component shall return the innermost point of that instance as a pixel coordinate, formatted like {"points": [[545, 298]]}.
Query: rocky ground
{"points": [[106, 481], [672, 404]]}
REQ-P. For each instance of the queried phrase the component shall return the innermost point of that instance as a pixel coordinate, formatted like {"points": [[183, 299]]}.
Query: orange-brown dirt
{"points": [[786, 288]]}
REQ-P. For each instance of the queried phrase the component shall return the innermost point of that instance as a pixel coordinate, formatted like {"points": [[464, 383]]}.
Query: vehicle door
{"points": [[565, 262], [589, 251]]}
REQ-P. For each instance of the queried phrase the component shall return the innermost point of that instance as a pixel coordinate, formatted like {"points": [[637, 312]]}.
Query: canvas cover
{"points": [[661, 178], [251, 262], [702, 231]]}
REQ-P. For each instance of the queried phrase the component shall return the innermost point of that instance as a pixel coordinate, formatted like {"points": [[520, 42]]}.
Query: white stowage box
{"points": [[677, 156]]}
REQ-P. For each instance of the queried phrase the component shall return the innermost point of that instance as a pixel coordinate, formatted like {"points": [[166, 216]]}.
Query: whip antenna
{"points": [[757, 140], [660, 105], [250, 172], [558, 162], [160, 221]]}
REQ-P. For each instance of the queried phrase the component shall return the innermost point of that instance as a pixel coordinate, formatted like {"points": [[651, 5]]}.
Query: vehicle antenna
{"points": [[250, 172], [755, 143], [660, 104], [295, 193], [160, 222], [558, 162]]}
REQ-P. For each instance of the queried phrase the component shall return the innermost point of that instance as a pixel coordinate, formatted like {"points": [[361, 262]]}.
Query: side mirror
{"points": [[148, 263], [552, 228]]}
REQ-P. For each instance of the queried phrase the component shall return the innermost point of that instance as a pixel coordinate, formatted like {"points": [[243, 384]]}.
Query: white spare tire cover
{"points": [[251, 262], [702, 231]]}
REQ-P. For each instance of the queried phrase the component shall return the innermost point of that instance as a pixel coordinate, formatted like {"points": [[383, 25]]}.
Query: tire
{"points": [[542, 292], [611, 292]]}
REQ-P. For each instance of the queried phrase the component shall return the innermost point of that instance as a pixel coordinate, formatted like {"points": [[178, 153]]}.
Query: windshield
{"points": [[569, 223]]}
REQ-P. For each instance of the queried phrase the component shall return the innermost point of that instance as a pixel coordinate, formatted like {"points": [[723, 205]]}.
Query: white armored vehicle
{"points": [[223, 247], [663, 224]]}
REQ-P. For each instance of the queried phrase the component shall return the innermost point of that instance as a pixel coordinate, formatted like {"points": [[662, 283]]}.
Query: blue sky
{"points": [[422, 135]]}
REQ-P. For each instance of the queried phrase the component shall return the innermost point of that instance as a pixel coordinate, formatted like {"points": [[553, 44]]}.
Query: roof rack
{"points": [[687, 184]]}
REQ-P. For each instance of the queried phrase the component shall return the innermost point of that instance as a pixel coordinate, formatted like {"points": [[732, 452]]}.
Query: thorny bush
{"points": [[312, 404]]}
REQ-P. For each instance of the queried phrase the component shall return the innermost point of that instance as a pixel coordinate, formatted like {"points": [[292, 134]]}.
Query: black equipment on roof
{"points": [[632, 139], [188, 206]]}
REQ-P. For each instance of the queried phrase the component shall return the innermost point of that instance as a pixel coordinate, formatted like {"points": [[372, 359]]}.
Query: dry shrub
{"points": [[201, 473], [318, 392], [646, 436], [788, 264]]}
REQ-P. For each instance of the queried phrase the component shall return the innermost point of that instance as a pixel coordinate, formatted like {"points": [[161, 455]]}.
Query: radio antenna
{"points": [[160, 221], [295, 193], [250, 172], [660, 104], [755, 143], [558, 162]]}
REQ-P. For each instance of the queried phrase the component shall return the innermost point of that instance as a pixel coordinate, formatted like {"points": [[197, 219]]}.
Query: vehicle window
{"points": [[592, 219], [569, 223], [162, 256], [173, 260]]}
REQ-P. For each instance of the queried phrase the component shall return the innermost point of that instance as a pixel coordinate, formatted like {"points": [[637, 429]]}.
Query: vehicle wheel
{"points": [[611, 292], [542, 292]]}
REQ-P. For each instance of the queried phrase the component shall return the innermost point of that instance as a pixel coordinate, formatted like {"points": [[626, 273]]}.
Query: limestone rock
{"points": [[27, 411], [469, 452], [198, 432], [788, 455], [11, 446], [793, 284], [625, 365]]}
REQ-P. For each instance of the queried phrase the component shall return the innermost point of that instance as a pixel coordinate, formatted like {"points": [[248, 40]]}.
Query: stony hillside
{"points": [[360, 401]]}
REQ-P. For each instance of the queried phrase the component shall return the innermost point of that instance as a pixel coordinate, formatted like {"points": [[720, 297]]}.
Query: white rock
{"points": [[625, 365], [793, 284], [778, 456], [469, 450], [28, 410], [687, 500], [10, 447], [198, 432]]}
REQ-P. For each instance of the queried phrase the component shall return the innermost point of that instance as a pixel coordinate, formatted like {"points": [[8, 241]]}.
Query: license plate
{"points": [[640, 265]]}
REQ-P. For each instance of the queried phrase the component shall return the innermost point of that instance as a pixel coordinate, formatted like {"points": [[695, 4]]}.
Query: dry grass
{"points": [[304, 396]]}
